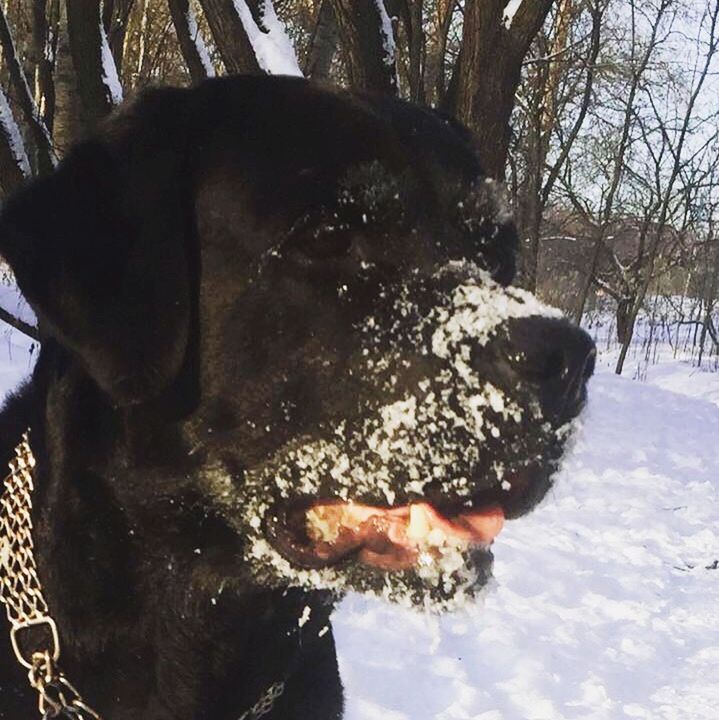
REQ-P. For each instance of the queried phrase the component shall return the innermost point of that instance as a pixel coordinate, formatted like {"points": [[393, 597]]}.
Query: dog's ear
{"points": [[99, 250]]}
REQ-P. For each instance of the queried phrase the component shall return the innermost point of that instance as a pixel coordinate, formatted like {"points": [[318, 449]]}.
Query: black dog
{"points": [[280, 360]]}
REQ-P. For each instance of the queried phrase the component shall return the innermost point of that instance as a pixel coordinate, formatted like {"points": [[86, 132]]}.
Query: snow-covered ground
{"points": [[605, 603]]}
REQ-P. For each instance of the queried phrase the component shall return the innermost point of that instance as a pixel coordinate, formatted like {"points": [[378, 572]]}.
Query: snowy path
{"points": [[603, 606]]}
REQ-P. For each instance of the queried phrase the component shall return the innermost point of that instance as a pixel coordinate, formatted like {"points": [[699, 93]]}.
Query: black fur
{"points": [[199, 281]]}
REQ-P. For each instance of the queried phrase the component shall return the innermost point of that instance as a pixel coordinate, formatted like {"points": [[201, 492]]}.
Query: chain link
{"points": [[19, 584], [265, 704]]}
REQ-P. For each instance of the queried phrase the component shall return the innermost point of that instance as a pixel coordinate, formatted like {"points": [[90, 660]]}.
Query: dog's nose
{"points": [[558, 357]]}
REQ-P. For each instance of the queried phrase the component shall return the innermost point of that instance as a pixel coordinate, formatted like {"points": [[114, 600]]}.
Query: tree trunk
{"points": [[542, 118], [597, 248], [530, 230], [67, 124], [230, 37], [14, 165], [323, 45], [529, 208], [444, 22], [368, 44], [95, 70], [597, 11], [414, 29], [115, 15], [191, 44], [44, 84], [710, 299], [489, 71], [623, 316]]}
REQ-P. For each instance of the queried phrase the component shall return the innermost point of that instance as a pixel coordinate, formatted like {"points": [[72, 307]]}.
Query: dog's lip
{"points": [[322, 533]]}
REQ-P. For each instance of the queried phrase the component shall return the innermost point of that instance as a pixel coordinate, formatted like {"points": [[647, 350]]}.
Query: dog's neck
{"points": [[16, 587]]}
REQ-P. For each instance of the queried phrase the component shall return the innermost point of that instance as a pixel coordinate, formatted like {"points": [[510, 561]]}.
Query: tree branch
{"points": [[191, 43], [25, 328]]}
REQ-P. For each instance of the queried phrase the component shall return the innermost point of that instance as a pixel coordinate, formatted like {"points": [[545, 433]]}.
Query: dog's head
{"points": [[322, 279]]}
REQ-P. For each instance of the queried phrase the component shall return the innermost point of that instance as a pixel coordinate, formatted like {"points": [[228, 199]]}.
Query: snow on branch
{"points": [[192, 44], [109, 70], [510, 11], [196, 37], [388, 42], [11, 131], [271, 44]]}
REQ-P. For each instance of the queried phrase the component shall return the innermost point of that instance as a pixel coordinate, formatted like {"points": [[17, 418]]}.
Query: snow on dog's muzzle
{"points": [[466, 391]]}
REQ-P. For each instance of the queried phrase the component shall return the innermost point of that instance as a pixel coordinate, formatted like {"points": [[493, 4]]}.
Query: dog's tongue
{"points": [[393, 538]]}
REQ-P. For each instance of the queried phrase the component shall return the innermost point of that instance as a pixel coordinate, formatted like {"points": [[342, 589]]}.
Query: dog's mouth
{"points": [[322, 533]]}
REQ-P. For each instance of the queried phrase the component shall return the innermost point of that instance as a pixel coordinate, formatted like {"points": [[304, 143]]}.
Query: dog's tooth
{"points": [[436, 537], [418, 526], [322, 526]]}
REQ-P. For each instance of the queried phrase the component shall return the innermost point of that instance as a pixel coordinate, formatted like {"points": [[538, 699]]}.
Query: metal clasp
{"points": [[18, 628]]}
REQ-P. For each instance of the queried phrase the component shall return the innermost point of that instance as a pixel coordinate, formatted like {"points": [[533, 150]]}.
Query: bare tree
{"points": [[66, 113], [323, 43], [638, 63], [677, 149], [193, 47], [83, 55], [489, 70], [115, 15], [231, 36], [368, 43], [42, 56], [550, 89], [97, 80]]}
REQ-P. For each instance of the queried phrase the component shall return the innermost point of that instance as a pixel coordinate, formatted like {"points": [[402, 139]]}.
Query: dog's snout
{"points": [[555, 355]]}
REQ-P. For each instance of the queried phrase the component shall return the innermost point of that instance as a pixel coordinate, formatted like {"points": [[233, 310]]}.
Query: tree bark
{"points": [[543, 83], [44, 83], [323, 44], [489, 71], [115, 15], [622, 314], [24, 98], [710, 297], [444, 22], [230, 37], [597, 14], [67, 124], [11, 176], [14, 166], [370, 62], [84, 30], [414, 28], [180, 12]]}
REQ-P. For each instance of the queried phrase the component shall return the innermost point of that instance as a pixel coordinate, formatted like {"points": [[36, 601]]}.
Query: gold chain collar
{"points": [[21, 593], [27, 610]]}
